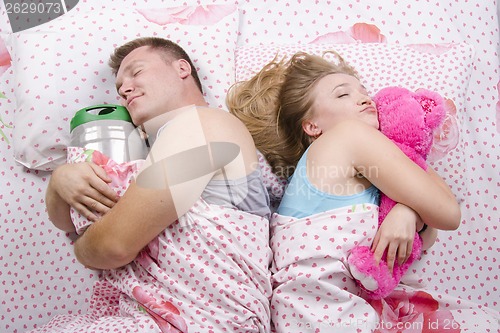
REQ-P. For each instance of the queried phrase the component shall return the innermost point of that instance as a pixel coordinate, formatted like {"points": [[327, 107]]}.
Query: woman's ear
{"points": [[184, 68], [311, 128]]}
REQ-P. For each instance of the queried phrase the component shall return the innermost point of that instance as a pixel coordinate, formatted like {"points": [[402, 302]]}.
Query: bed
{"points": [[50, 71]]}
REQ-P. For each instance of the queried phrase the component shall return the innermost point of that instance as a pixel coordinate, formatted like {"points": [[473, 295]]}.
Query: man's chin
{"points": [[138, 121]]}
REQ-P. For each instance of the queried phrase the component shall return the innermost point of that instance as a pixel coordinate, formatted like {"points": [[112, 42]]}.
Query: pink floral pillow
{"points": [[4, 66], [4, 57], [61, 66], [444, 68]]}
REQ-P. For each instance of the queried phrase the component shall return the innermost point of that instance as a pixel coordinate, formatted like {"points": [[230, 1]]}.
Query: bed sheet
{"points": [[40, 277]]}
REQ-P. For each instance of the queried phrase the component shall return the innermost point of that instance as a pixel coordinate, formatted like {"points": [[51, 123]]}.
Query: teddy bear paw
{"points": [[366, 281]]}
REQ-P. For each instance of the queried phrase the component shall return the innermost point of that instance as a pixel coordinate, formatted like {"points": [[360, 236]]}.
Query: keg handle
{"points": [[102, 109]]}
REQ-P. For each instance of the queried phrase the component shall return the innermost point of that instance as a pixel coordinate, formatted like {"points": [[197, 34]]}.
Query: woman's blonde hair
{"points": [[274, 103]]}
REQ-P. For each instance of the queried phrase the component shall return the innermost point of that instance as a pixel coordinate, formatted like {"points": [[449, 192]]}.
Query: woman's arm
{"points": [[398, 237], [82, 186], [429, 236], [392, 172], [395, 236]]}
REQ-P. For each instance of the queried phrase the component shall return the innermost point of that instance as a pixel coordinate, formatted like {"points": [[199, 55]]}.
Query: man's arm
{"points": [[140, 216], [152, 202], [162, 192]]}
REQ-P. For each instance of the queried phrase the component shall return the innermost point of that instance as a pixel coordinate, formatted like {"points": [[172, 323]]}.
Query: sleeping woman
{"points": [[317, 126]]}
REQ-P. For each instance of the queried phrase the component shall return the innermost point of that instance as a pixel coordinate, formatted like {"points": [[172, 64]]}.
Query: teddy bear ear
{"points": [[433, 105], [390, 94]]}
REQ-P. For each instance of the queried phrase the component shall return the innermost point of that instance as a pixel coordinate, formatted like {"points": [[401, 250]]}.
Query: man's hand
{"points": [[84, 186]]}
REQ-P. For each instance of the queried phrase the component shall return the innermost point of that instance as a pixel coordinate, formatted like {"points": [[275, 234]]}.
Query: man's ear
{"points": [[311, 128], [184, 68]]}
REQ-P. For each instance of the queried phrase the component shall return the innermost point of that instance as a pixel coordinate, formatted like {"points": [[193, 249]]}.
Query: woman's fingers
{"points": [[380, 249], [391, 255], [396, 250], [409, 247]]}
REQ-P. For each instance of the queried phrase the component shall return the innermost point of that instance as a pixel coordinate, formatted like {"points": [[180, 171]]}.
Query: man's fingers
{"points": [[102, 203], [100, 172], [103, 193], [99, 204], [84, 211]]}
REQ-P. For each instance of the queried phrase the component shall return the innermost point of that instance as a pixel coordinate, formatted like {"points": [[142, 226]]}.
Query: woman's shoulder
{"points": [[341, 141]]}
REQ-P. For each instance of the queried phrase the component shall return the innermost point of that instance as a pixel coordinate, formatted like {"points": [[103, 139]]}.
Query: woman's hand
{"points": [[84, 186], [396, 234]]}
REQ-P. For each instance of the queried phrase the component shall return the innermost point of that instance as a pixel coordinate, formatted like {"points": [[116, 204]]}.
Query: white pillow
{"points": [[444, 68], [61, 67]]}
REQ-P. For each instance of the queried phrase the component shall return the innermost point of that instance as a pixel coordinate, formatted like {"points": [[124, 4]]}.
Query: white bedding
{"points": [[39, 276]]}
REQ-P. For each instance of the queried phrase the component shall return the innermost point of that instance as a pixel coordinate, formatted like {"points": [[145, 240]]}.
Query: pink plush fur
{"points": [[408, 119]]}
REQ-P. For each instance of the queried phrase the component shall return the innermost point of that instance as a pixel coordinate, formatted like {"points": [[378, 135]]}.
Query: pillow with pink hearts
{"points": [[61, 67], [444, 68]]}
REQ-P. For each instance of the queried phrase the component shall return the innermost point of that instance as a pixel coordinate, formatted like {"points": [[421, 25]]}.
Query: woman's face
{"points": [[339, 97]]}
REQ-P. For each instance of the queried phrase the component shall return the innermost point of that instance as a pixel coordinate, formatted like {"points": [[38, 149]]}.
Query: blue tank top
{"points": [[301, 198]]}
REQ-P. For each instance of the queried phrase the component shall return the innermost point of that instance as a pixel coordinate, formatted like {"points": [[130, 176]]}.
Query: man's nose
{"points": [[124, 90]]}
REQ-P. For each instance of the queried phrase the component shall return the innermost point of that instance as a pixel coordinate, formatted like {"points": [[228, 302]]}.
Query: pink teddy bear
{"points": [[408, 119]]}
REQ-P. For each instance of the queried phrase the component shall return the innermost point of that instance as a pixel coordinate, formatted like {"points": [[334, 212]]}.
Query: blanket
{"points": [[121, 175], [207, 272], [315, 292]]}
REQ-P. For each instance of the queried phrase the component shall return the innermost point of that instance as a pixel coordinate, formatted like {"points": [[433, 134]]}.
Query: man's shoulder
{"points": [[218, 116], [211, 110]]}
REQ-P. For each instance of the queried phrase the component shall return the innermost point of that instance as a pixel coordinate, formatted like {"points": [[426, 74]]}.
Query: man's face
{"points": [[147, 84]]}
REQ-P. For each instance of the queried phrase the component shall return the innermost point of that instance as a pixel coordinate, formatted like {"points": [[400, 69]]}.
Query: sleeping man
{"points": [[186, 246]]}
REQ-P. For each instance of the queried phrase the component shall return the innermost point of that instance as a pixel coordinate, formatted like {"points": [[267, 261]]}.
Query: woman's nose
{"points": [[365, 100]]}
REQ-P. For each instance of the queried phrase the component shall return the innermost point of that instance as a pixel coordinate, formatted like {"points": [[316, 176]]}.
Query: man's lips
{"points": [[129, 101]]}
